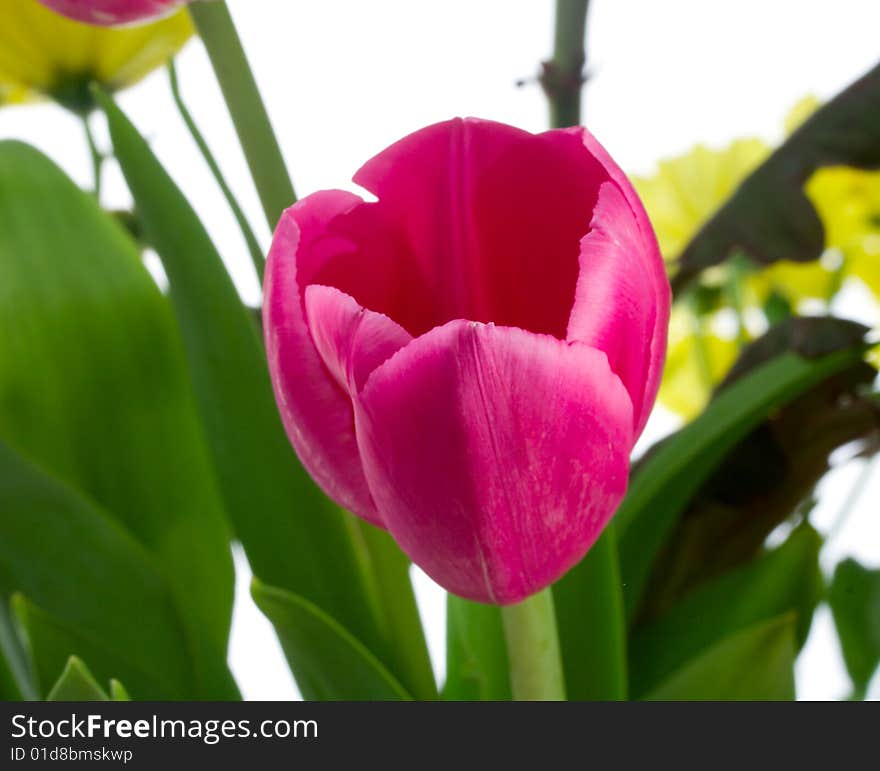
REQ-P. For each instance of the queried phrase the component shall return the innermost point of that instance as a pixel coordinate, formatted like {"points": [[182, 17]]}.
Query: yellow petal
{"points": [[44, 53], [695, 364], [688, 189]]}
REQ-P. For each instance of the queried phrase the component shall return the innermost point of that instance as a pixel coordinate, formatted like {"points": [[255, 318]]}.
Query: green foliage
{"points": [[592, 624], [476, 652], [755, 664], [276, 509], [94, 391], [332, 664], [83, 585], [668, 478], [76, 684], [784, 580], [855, 604]]}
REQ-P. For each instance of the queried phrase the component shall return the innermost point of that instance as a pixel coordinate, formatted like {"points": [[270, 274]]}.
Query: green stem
{"points": [[252, 244], [533, 649], [563, 75], [96, 155], [258, 141]]}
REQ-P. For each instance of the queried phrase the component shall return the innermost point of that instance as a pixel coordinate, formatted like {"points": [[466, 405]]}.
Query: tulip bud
{"points": [[109, 13], [468, 360], [47, 55]]}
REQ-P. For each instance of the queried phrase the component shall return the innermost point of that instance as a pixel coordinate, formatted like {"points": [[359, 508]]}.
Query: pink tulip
{"points": [[109, 13], [468, 360]]}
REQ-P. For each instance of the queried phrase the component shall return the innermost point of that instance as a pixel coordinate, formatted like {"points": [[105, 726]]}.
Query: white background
{"points": [[344, 78]]}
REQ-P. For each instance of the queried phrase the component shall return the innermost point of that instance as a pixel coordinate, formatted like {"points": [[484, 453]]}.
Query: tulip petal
{"points": [[495, 455], [490, 218], [622, 299], [352, 341], [111, 12], [317, 413]]}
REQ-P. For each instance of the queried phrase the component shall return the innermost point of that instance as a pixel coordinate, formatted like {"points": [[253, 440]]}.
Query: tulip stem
{"points": [[250, 239], [533, 649], [96, 155], [562, 77], [258, 141]]}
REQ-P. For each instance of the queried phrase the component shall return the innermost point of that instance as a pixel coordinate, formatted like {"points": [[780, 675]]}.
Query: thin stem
{"points": [[563, 76], [258, 141], [533, 649], [252, 244], [96, 155]]}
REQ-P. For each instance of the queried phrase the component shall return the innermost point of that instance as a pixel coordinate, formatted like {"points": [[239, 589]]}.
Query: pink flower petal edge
{"points": [[111, 12]]}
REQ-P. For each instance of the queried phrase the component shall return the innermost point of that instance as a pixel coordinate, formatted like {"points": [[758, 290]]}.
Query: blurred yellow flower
{"points": [[43, 54], [688, 189], [696, 360]]}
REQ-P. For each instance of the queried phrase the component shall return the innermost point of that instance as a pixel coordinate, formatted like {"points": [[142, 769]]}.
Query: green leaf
{"points": [[668, 478], [770, 216], [336, 665], [294, 537], [785, 580], [755, 664], [16, 676], [91, 589], [118, 691], [476, 652], [94, 388], [855, 604], [76, 684], [398, 613], [592, 625]]}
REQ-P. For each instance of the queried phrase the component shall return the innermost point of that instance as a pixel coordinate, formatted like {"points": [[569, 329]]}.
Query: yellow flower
{"points": [[688, 189], [848, 202], [43, 54], [696, 360]]}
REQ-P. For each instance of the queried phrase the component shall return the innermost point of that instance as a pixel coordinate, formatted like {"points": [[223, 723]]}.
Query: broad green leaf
{"points": [[76, 684], [754, 664], [294, 537], [855, 604], [91, 589], [336, 665], [398, 613], [784, 580], [94, 388], [668, 477], [592, 624], [769, 216], [476, 652]]}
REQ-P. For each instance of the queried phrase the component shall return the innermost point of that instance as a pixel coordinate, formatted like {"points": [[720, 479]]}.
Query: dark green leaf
{"points": [[785, 579], [768, 476], [335, 665], [76, 684], [294, 537], [93, 387], [476, 652], [92, 589], [855, 604], [667, 479], [592, 625], [755, 664], [769, 217]]}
